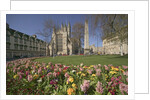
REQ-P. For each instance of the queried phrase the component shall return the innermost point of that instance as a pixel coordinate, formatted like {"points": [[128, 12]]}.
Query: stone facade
{"points": [[61, 43], [86, 38], [112, 46], [19, 44]]}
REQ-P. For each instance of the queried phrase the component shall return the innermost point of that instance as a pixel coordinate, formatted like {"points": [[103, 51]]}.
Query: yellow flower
{"points": [[93, 75], [36, 76], [15, 76], [67, 82], [91, 65], [36, 66], [116, 69], [82, 74], [91, 78], [106, 76], [112, 67], [122, 70], [71, 79], [74, 85], [70, 91], [112, 72], [64, 71], [47, 66]]}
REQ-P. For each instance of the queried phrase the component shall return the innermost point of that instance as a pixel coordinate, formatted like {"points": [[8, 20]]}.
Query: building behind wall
{"points": [[22, 45]]}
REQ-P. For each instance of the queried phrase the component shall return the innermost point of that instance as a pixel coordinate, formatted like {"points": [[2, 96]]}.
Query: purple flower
{"points": [[52, 82], [48, 71]]}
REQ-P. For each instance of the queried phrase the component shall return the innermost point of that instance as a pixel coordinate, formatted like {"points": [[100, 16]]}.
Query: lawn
{"points": [[116, 60]]}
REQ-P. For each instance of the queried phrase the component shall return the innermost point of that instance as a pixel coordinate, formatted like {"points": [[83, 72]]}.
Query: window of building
{"points": [[7, 46], [16, 47], [59, 42], [21, 41], [21, 47], [25, 42], [8, 38], [16, 39]]}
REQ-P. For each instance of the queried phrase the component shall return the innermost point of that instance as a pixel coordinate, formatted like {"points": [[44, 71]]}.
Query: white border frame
{"points": [[131, 62]]}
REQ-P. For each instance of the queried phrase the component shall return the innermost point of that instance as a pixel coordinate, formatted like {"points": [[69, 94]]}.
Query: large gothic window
{"points": [[59, 42]]}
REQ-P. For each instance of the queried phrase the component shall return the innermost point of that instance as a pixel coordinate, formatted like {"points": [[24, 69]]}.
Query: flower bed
{"points": [[26, 77]]}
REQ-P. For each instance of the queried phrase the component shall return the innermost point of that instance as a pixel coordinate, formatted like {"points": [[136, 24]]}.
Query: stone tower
{"points": [[69, 30], [86, 38]]}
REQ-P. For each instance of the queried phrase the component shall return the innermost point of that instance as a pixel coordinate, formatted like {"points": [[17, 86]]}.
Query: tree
{"points": [[46, 33], [78, 35], [112, 25]]}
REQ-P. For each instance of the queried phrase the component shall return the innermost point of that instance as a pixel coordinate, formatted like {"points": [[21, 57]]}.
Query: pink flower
{"points": [[109, 83], [45, 68], [119, 77], [99, 87], [67, 75], [119, 82], [125, 73], [60, 69], [114, 84], [113, 78], [81, 69], [14, 69], [90, 71], [98, 72], [106, 67], [54, 74], [95, 67], [125, 67], [110, 65], [30, 78], [49, 74], [85, 86], [27, 72], [7, 70], [18, 68], [55, 69], [39, 70], [123, 88], [127, 79]]}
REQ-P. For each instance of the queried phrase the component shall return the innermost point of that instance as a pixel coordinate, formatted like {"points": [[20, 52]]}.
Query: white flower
{"points": [[40, 80], [73, 71], [81, 64], [32, 71]]}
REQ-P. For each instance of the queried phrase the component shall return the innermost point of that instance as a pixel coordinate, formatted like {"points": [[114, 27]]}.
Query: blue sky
{"points": [[32, 23]]}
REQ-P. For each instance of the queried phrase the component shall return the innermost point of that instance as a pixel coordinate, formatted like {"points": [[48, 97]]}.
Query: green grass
{"points": [[116, 60]]}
